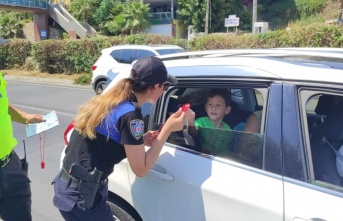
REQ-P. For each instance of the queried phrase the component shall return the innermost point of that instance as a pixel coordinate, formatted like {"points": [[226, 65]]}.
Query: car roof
{"points": [[134, 46], [268, 64], [262, 67]]}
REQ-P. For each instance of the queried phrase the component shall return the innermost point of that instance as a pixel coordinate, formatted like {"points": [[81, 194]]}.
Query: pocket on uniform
{"points": [[65, 196]]}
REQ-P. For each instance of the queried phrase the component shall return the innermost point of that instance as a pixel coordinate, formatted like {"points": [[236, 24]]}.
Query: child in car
{"points": [[211, 132]]}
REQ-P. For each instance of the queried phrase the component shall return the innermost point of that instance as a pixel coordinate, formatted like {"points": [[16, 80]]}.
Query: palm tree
{"points": [[133, 18], [82, 9], [11, 25]]}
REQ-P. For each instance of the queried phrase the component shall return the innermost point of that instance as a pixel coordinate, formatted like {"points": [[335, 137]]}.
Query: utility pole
{"points": [[254, 15], [207, 13]]}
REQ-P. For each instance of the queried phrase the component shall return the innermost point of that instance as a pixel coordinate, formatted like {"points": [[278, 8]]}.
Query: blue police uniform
{"points": [[123, 125]]}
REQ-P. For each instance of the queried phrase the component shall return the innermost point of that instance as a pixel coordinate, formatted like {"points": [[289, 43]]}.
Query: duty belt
{"points": [[4, 161], [66, 177]]}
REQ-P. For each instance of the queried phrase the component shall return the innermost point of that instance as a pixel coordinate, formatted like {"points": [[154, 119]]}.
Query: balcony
{"points": [[160, 18]]}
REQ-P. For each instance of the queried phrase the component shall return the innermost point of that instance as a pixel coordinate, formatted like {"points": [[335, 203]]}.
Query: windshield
{"points": [[170, 51]]}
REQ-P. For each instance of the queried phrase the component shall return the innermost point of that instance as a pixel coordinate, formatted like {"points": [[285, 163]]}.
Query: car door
{"points": [[187, 184], [312, 186]]}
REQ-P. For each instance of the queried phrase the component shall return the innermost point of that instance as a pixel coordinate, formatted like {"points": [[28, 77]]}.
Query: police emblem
{"points": [[137, 128]]}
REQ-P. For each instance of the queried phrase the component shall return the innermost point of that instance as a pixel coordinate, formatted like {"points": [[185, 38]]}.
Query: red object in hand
{"points": [[42, 165], [185, 107]]}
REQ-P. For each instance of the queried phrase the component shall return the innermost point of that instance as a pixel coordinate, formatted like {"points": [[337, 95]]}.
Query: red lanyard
{"points": [[41, 147]]}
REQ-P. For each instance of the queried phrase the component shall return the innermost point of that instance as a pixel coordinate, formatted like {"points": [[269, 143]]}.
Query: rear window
{"points": [[170, 51]]}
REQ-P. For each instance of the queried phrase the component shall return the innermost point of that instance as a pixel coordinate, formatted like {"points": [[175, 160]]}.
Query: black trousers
{"points": [[15, 192]]}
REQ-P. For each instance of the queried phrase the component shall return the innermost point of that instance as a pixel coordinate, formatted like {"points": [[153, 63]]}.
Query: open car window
{"points": [[236, 143]]}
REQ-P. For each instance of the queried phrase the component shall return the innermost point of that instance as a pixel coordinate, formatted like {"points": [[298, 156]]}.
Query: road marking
{"points": [[44, 110]]}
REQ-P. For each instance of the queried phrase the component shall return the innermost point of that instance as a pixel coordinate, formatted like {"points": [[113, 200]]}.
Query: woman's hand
{"points": [[150, 137], [175, 122]]}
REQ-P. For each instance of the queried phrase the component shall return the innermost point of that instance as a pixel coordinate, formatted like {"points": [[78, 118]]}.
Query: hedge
{"points": [[77, 56]]}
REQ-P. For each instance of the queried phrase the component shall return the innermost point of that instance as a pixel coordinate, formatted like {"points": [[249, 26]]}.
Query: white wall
{"points": [[165, 29]]}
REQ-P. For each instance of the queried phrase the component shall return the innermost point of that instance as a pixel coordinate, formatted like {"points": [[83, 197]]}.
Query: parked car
{"points": [[117, 57], [290, 170]]}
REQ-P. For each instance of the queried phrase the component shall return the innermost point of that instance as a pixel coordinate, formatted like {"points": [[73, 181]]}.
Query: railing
{"points": [[66, 21], [43, 4], [161, 18]]}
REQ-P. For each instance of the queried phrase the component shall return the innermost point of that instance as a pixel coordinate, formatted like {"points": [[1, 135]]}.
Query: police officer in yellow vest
{"points": [[15, 192]]}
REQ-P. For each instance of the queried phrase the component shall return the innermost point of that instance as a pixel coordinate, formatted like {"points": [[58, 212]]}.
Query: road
{"points": [[42, 98]]}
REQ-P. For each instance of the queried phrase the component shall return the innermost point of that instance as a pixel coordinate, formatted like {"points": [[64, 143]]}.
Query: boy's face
{"points": [[216, 108]]}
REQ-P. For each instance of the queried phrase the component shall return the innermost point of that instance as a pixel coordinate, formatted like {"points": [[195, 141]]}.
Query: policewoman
{"points": [[108, 128], [15, 191]]}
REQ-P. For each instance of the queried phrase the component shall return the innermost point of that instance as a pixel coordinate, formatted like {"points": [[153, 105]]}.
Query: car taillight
{"points": [[69, 128], [94, 67]]}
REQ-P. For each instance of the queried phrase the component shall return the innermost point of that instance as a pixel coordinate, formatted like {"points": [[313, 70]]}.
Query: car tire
{"points": [[100, 86], [122, 211]]}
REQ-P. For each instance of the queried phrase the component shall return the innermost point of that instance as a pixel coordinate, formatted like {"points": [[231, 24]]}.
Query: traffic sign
{"points": [[231, 22]]}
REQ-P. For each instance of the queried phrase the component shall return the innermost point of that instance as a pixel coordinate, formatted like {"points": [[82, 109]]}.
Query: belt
{"points": [[4, 161], [67, 178]]}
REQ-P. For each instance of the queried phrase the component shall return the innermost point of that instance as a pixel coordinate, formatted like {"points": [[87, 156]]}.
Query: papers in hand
{"points": [[36, 128]]}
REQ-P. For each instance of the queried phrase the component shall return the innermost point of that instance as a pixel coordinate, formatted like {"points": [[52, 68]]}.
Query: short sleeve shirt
{"points": [[213, 140], [124, 124]]}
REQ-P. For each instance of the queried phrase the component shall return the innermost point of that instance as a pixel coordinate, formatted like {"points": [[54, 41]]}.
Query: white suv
{"points": [[291, 169], [114, 58]]}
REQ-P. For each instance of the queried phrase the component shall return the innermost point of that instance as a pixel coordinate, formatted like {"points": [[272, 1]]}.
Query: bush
{"points": [[83, 79], [14, 53], [314, 35]]}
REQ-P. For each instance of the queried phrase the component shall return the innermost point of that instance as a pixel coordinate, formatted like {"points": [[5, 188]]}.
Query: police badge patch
{"points": [[137, 128]]}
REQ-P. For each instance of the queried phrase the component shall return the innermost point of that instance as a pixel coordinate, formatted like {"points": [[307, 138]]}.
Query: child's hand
{"points": [[190, 116]]}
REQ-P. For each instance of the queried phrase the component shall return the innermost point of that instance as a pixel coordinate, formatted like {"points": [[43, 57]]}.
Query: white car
{"points": [[117, 57], [291, 169]]}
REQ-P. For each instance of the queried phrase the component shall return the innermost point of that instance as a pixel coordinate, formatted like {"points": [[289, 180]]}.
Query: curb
{"points": [[41, 80]]}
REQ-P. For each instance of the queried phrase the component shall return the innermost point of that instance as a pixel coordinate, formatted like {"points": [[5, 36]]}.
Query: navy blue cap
{"points": [[151, 71]]}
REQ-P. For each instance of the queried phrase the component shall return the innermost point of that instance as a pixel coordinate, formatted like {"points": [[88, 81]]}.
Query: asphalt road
{"points": [[42, 97]]}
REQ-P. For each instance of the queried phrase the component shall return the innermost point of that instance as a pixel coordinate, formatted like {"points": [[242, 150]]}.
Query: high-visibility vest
{"points": [[7, 141]]}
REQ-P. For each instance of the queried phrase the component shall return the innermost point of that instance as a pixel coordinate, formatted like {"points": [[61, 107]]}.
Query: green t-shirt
{"points": [[213, 140], [7, 141]]}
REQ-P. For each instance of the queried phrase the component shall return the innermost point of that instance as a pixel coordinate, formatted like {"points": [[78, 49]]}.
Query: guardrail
{"points": [[43, 4]]}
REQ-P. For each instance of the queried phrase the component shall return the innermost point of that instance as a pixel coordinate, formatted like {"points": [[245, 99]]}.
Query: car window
{"points": [[324, 113], [169, 51], [144, 53], [231, 141], [128, 56], [116, 55]]}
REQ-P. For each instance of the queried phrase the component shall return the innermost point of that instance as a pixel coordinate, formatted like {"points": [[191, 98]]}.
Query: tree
{"points": [[308, 7], [105, 14], [193, 12], [132, 19], [11, 24], [82, 9]]}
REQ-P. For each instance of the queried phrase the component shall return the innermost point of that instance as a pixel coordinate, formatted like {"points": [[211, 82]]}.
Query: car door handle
{"points": [[161, 172]]}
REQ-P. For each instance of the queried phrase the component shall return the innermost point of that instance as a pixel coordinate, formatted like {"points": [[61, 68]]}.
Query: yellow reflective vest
{"points": [[7, 141]]}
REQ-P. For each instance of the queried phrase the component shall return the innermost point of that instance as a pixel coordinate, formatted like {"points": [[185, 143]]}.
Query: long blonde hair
{"points": [[92, 113]]}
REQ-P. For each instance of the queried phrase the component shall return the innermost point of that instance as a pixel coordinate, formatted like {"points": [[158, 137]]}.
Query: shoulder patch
{"points": [[137, 128]]}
